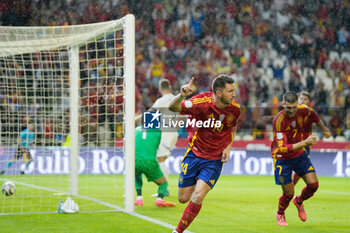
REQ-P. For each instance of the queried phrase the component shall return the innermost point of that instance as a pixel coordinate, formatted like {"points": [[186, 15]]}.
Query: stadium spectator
{"points": [[335, 124], [157, 71], [278, 70], [159, 16], [197, 18], [288, 151], [210, 147], [321, 97], [343, 36]]}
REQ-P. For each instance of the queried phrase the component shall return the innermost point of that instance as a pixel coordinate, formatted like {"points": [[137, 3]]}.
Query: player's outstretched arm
{"points": [[186, 90], [326, 132], [226, 153]]}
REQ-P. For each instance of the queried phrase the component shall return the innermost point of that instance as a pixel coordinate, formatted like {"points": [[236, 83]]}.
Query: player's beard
{"points": [[290, 114], [225, 101]]}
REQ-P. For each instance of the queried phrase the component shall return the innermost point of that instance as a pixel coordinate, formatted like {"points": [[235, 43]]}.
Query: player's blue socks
{"points": [[9, 164], [27, 164], [6, 167]]}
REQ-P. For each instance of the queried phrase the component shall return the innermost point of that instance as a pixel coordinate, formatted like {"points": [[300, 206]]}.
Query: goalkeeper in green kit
{"points": [[146, 145]]}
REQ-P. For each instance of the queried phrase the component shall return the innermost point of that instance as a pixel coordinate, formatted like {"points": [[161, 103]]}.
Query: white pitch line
{"points": [[149, 219], [335, 192]]}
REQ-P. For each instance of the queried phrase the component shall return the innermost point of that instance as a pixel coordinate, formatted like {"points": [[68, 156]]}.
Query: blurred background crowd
{"points": [[267, 46]]}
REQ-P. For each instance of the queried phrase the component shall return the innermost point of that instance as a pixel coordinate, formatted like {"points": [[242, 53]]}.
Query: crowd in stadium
{"points": [[268, 47]]}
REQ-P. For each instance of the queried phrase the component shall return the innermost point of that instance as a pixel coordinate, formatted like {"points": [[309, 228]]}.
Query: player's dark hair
{"points": [[164, 84], [307, 94], [220, 82], [290, 97]]}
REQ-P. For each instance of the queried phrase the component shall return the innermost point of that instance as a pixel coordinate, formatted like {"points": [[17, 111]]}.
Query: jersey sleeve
{"points": [[192, 106], [281, 138], [237, 111], [313, 116]]}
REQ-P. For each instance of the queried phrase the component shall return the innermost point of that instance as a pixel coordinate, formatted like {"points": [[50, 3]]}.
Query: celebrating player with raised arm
{"points": [[209, 147], [304, 98], [289, 155]]}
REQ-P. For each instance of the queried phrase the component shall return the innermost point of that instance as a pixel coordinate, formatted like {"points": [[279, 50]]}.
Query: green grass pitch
{"points": [[236, 204]]}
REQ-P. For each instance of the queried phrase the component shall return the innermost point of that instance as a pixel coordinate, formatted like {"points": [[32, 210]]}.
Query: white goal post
{"points": [[76, 86]]}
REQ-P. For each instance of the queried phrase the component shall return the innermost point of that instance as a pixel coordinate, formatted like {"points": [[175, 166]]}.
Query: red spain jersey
{"points": [[311, 118], [209, 142], [288, 131]]}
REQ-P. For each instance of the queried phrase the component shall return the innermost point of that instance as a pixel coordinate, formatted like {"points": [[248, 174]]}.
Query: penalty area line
{"points": [[118, 208]]}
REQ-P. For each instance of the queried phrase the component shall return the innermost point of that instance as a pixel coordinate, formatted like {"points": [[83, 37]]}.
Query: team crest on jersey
{"points": [[294, 124], [281, 179], [188, 104], [229, 119], [181, 180], [221, 117], [279, 136]]}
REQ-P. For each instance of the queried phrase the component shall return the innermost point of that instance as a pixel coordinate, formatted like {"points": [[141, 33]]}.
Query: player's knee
{"points": [[198, 196], [312, 187], [184, 197], [183, 200]]}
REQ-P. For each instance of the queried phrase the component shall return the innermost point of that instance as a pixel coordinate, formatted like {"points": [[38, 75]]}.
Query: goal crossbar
{"points": [[20, 40]]}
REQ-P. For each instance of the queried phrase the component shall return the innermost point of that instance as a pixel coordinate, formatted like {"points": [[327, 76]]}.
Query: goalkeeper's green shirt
{"points": [[146, 143]]}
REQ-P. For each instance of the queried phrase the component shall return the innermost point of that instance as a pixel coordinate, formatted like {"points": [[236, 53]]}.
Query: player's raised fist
{"points": [[189, 89], [327, 134], [312, 139]]}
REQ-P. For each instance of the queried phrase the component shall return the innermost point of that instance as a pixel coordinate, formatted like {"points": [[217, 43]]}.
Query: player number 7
{"points": [[295, 132], [280, 169]]}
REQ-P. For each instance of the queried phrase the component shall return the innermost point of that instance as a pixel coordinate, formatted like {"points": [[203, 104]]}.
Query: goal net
{"points": [[67, 103]]}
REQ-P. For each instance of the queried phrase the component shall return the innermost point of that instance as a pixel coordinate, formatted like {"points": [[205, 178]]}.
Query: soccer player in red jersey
{"points": [[304, 98], [289, 155], [210, 146]]}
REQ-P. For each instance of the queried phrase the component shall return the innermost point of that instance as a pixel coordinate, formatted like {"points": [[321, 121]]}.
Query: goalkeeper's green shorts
{"points": [[150, 168]]}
